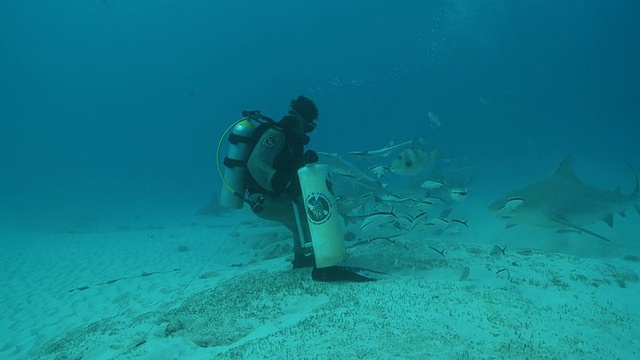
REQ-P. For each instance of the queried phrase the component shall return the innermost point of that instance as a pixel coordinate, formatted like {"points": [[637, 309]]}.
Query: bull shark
{"points": [[563, 202]]}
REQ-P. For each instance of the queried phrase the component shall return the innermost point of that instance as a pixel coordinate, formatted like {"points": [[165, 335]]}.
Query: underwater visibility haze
{"points": [[111, 112]]}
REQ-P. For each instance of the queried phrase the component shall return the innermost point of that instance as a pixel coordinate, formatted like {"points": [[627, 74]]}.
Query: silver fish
{"points": [[378, 219], [434, 120], [511, 204], [458, 194], [433, 184], [347, 204], [379, 170]]}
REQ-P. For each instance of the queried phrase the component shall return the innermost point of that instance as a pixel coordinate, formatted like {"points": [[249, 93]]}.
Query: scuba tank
{"points": [[234, 180]]}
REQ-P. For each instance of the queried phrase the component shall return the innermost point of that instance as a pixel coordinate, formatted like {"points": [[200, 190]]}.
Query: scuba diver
{"points": [[274, 154], [273, 168]]}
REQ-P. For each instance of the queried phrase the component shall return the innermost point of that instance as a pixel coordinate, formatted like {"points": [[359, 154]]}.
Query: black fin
{"points": [[338, 273]]}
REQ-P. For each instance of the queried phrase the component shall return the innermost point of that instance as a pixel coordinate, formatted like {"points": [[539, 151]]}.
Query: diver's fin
{"points": [[339, 273], [361, 269], [302, 261]]}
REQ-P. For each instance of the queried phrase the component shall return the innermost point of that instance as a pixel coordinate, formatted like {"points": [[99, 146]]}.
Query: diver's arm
{"points": [[260, 163]]}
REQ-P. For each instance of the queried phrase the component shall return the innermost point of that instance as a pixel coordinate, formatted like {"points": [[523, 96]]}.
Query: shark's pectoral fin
{"points": [[621, 213], [563, 222], [509, 226], [609, 220]]}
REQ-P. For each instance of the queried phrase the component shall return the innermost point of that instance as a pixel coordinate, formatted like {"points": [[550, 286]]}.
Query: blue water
{"points": [[113, 107]]}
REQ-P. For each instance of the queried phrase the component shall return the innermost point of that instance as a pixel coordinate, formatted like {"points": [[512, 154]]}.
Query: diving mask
{"points": [[309, 125]]}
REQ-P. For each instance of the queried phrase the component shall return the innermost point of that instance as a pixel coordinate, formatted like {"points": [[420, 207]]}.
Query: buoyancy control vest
{"points": [[287, 162]]}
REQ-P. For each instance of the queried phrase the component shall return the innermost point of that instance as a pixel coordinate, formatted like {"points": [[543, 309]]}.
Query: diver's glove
{"points": [[338, 273], [280, 181], [293, 188], [310, 157]]}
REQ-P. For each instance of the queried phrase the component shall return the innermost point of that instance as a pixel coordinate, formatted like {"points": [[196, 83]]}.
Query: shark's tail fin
{"points": [[635, 197]]}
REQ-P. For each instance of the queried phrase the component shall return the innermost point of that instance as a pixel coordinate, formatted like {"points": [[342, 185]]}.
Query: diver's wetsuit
{"points": [[278, 154]]}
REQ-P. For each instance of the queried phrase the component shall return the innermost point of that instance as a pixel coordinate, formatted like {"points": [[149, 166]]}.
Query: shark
{"points": [[339, 166], [385, 151], [415, 160], [565, 203]]}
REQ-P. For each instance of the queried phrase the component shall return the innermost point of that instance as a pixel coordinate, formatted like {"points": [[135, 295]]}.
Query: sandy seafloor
{"points": [[222, 288]]}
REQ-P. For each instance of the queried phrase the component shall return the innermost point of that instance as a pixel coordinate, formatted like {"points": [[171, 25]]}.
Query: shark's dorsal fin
{"points": [[565, 169], [609, 220]]}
